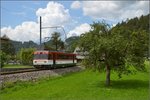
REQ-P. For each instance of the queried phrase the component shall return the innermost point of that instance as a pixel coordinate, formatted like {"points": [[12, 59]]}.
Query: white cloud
{"points": [[113, 25], [100, 9], [79, 30], [115, 10], [25, 31], [53, 15], [136, 9], [76, 5]]}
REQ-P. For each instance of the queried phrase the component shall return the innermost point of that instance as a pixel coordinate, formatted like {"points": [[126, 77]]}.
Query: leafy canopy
{"points": [[120, 50], [26, 55], [55, 43]]}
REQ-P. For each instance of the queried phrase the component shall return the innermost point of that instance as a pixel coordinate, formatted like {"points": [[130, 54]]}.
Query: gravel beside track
{"points": [[25, 76]]}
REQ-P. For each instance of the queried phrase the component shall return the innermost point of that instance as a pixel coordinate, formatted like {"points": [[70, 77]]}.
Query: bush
{"points": [[26, 55], [3, 58]]}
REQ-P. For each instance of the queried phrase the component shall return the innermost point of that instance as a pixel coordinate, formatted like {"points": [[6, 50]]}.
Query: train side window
{"points": [[36, 56], [62, 56], [65, 56]]}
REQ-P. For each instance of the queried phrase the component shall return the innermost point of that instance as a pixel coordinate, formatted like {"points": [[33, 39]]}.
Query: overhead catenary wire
{"points": [[46, 27]]}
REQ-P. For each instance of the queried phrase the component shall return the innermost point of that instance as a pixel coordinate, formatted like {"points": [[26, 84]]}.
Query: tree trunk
{"points": [[107, 75], [56, 46]]}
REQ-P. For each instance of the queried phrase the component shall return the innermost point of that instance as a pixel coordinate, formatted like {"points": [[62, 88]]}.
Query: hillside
{"points": [[135, 24], [138, 26], [28, 44], [71, 43]]}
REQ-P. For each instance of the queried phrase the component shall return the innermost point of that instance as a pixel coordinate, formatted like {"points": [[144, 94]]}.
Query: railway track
{"points": [[6, 71], [34, 74]]}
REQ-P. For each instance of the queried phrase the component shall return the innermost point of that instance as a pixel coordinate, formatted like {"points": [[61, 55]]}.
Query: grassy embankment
{"points": [[85, 85]]}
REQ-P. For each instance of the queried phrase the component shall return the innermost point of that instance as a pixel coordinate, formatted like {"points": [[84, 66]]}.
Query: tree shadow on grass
{"points": [[129, 84], [124, 84]]}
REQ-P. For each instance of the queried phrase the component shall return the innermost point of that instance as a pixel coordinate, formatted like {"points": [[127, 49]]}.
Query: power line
{"points": [[41, 27]]}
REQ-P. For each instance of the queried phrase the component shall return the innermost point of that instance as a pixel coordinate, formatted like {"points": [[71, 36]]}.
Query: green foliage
{"points": [[2, 58], [135, 24], [7, 50], [69, 45], [27, 44], [135, 29], [72, 43], [48, 46], [117, 50], [8, 47], [55, 39], [26, 55], [55, 43]]}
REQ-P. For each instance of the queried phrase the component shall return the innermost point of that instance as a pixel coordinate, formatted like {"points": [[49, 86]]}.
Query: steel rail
{"points": [[18, 71]]}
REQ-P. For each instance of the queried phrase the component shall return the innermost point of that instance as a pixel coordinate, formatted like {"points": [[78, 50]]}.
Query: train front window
{"points": [[40, 56]]}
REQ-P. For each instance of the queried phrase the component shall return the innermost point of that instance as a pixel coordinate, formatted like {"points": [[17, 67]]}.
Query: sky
{"points": [[20, 19]]}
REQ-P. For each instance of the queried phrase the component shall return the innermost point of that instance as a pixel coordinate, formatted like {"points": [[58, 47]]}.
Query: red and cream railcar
{"points": [[47, 59]]}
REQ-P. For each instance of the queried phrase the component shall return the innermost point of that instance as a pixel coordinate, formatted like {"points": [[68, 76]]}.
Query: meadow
{"points": [[84, 85]]}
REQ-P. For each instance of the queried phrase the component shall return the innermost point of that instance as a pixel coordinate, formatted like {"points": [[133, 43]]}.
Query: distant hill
{"points": [[72, 39], [18, 45], [134, 24], [72, 43]]}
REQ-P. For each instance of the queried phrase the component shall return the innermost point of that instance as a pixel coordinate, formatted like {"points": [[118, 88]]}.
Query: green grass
{"points": [[17, 66], [85, 85]]}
